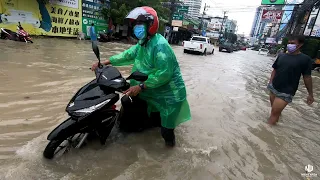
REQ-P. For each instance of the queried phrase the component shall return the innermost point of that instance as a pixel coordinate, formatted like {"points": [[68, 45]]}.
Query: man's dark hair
{"points": [[299, 38], [92, 24]]}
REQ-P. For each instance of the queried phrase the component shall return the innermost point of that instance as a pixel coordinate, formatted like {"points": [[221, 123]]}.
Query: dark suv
{"points": [[226, 46]]}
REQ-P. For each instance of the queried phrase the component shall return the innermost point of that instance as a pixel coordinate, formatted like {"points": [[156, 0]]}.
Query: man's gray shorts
{"points": [[283, 96]]}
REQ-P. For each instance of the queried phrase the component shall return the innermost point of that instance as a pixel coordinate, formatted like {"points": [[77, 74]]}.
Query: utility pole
{"points": [[204, 11], [172, 10], [223, 21]]}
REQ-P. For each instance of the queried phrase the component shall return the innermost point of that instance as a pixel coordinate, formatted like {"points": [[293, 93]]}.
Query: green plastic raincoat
{"points": [[165, 92]]}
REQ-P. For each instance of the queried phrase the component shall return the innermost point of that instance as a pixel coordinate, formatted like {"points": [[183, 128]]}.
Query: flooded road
{"points": [[228, 137]]}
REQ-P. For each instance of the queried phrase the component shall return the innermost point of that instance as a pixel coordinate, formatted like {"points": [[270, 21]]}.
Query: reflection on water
{"points": [[228, 137]]}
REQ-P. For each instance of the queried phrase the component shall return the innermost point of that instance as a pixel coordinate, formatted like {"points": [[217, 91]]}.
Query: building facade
{"points": [[219, 24], [194, 7], [260, 29], [230, 25], [256, 22], [215, 24]]}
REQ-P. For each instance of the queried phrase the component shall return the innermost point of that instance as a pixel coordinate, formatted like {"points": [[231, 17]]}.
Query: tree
{"points": [[231, 37], [120, 8]]}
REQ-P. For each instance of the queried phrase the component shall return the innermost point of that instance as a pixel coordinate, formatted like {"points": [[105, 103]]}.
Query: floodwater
{"points": [[228, 137]]}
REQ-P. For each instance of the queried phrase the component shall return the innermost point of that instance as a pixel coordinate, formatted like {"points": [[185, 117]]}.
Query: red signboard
{"points": [[272, 16]]}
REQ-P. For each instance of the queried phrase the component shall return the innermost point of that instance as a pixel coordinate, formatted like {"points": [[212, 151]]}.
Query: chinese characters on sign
{"points": [[91, 10], [65, 21], [272, 16], [91, 14], [66, 3]]}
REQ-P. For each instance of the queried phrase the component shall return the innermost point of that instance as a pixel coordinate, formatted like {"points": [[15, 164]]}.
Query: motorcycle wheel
{"points": [[58, 147]]}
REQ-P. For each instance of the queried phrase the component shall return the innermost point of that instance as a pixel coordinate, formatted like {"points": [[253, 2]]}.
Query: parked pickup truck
{"points": [[198, 44]]}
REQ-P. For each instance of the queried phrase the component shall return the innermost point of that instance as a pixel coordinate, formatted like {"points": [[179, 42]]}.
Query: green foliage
{"points": [[285, 42], [311, 47], [279, 46], [231, 37], [120, 8]]}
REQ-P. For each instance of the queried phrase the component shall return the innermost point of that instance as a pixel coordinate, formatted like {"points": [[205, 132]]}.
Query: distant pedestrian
{"points": [[93, 34], [285, 77], [80, 35]]}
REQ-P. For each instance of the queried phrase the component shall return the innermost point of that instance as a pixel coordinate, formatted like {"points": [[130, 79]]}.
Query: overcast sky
{"points": [[242, 11]]}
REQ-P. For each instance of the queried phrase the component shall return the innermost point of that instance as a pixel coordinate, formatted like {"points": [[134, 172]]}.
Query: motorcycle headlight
{"points": [[92, 108]]}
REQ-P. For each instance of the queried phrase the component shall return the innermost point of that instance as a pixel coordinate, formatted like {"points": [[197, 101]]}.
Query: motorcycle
{"points": [[104, 37], [20, 35], [92, 110]]}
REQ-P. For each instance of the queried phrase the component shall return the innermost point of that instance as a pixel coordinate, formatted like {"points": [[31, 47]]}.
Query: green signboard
{"points": [[272, 2], [91, 14], [183, 9], [178, 14], [99, 25], [177, 17]]}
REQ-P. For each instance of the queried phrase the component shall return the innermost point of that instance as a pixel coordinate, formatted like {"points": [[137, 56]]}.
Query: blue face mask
{"points": [[139, 31]]}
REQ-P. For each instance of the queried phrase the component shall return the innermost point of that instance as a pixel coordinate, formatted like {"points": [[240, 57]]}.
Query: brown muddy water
{"points": [[228, 137]]}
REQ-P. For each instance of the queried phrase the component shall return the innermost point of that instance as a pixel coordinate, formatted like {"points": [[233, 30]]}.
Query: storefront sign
{"points": [[53, 19], [271, 2], [271, 16], [177, 23], [294, 1], [65, 21], [66, 3], [177, 17], [91, 14], [176, 29], [183, 9], [271, 41]]}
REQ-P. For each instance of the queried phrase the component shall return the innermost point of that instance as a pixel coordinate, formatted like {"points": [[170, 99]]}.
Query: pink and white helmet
{"points": [[145, 14]]}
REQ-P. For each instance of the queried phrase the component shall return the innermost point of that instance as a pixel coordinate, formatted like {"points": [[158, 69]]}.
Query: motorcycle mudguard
{"points": [[64, 130]]}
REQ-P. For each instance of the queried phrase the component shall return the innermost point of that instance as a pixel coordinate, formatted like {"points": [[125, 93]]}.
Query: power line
{"points": [[232, 6], [235, 8]]}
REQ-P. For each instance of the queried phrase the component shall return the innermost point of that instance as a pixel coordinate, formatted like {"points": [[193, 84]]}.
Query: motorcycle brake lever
{"points": [[128, 96]]}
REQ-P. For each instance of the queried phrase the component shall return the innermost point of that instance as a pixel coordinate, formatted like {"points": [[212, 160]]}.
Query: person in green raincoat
{"points": [[164, 91]]}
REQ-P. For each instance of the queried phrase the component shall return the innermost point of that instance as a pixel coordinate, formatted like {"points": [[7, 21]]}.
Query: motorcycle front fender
{"points": [[64, 130]]}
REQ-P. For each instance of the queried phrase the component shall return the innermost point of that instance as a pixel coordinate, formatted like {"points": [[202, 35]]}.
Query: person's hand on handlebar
{"points": [[133, 91], [95, 65]]}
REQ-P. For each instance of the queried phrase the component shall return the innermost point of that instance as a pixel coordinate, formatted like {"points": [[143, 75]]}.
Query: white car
{"points": [[198, 44], [263, 51]]}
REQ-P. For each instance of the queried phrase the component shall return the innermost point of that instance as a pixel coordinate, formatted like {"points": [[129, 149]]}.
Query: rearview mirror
{"points": [[95, 49], [138, 76]]}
